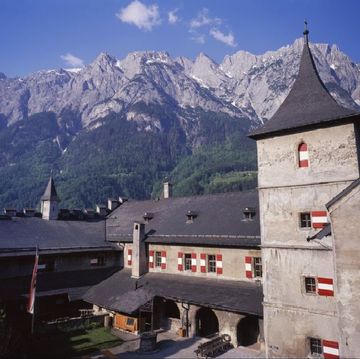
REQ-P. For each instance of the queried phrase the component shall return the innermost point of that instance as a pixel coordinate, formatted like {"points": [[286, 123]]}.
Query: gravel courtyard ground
{"points": [[169, 346]]}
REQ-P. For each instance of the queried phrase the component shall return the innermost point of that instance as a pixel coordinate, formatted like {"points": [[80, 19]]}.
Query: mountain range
{"points": [[119, 127]]}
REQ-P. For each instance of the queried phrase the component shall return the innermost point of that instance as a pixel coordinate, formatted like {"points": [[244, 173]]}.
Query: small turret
{"points": [[50, 202]]}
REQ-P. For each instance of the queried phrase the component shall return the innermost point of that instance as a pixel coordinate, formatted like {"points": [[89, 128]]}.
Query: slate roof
{"points": [[219, 220], [73, 283], [50, 192], [118, 292], [343, 193], [23, 234], [308, 103]]}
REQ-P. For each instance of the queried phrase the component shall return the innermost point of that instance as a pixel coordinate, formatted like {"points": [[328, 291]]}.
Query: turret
{"points": [[50, 202]]}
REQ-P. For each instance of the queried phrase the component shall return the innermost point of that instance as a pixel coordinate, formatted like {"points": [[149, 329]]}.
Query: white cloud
{"points": [[220, 36], [199, 38], [72, 60], [172, 17], [203, 19], [140, 15]]}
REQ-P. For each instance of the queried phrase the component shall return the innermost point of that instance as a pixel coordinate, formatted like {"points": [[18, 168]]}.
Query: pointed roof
{"points": [[308, 102], [50, 192]]}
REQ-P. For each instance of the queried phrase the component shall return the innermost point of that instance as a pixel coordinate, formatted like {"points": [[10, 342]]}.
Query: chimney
{"points": [[139, 261], [167, 189]]}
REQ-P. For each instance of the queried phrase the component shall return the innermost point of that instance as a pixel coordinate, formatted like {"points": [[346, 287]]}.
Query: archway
{"points": [[247, 331], [171, 310], [207, 323]]}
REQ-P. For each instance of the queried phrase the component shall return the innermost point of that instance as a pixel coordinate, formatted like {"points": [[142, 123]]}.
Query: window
{"points": [[187, 258], [249, 214], [305, 220], [257, 267], [315, 346], [310, 285], [157, 259], [98, 261], [303, 155], [211, 263]]}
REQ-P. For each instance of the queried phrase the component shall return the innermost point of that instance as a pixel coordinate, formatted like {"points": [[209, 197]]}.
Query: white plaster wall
{"points": [[346, 227], [233, 261], [330, 149], [287, 337]]}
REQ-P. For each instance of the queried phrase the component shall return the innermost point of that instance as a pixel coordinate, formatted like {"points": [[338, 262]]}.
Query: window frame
{"points": [[187, 260], [310, 292], [211, 263], [316, 349], [257, 267], [157, 259], [307, 221]]}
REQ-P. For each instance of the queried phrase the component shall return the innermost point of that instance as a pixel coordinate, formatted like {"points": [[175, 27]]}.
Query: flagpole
{"points": [[32, 295]]}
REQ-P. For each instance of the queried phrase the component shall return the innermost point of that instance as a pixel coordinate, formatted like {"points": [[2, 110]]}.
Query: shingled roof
{"points": [[308, 103], [119, 292], [217, 220], [50, 193]]}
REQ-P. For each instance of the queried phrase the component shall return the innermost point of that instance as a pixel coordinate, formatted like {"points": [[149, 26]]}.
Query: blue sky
{"points": [[47, 34]]}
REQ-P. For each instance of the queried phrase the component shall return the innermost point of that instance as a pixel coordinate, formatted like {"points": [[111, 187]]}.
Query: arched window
{"points": [[303, 155]]}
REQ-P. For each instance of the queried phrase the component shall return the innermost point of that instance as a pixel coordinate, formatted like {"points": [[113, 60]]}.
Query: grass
{"points": [[80, 342]]}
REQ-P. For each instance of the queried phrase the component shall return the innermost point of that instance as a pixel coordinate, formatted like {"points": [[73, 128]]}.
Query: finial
{"points": [[306, 32]]}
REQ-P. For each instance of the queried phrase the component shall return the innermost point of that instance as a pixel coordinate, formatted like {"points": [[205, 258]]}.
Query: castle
{"points": [[277, 267]]}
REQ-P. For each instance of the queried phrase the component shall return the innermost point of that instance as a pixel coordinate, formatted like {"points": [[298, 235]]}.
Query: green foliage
{"points": [[118, 159]]}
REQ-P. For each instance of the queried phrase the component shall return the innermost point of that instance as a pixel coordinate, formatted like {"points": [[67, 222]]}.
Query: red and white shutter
{"points": [[180, 261], [203, 262], [129, 257], [151, 259], [219, 264], [303, 155], [325, 286], [248, 267], [330, 349], [193, 262], [163, 259], [319, 219]]}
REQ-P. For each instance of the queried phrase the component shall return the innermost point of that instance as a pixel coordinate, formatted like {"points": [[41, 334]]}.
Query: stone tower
{"points": [[307, 153], [50, 202]]}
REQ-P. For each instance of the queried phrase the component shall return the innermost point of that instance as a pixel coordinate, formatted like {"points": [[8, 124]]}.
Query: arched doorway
{"points": [[207, 323], [247, 331]]}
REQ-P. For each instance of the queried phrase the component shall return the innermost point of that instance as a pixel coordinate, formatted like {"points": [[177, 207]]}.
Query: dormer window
{"points": [[303, 155], [191, 215], [249, 214], [148, 217]]}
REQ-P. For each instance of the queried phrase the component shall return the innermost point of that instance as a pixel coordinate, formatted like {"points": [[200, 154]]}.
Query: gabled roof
{"points": [[308, 103], [23, 234], [219, 220], [343, 193], [50, 192], [119, 292]]}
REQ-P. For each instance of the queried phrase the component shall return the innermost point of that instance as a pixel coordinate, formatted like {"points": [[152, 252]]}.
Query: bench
{"points": [[214, 346]]}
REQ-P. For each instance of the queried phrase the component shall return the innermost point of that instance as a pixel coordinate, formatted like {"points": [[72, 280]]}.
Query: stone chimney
{"points": [[50, 202], [139, 260], [167, 189]]}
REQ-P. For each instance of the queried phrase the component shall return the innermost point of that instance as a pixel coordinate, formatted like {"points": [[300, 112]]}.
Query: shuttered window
{"points": [[303, 155]]}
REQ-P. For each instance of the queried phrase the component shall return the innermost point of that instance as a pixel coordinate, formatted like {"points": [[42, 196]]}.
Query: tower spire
{"points": [[306, 32]]}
